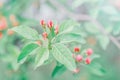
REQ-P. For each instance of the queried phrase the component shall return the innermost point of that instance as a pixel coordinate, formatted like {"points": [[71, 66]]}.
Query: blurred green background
{"points": [[99, 23]]}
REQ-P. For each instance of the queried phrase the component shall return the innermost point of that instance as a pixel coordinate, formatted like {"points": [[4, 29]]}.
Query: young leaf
{"points": [[26, 32], [63, 55], [96, 69], [27, 50], [67, 24], [110, 10], [52, 32], [58, 70], [103, 41], [77, 3], [94, 56], [42, 56], [116, 28], [91, 28], [69, 37], [49, 60]]}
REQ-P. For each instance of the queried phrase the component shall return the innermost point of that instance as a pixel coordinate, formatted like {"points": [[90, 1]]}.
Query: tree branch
{"points": [[83, 17]]}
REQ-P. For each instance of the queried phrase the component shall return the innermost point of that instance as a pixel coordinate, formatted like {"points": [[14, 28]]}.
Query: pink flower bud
{"points": [[42, 22], [56, 30], [50, 24], [44, 35], [79, 58], [88, 60], [89, 52]]}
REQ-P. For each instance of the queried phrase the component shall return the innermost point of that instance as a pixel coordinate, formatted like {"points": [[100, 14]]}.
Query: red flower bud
{"points": [[50, 24], [44, 35], [42, 22], [88, 60], [79, 58], [89, 52], [1, 35], [76, 49], [77, 70]]}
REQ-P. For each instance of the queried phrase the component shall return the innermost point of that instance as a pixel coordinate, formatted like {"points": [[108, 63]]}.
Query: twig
{"points": [[118, 38], [112, 38]]}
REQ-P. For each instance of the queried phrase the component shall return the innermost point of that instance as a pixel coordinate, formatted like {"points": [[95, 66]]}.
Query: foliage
{"points": [[95, 25], [52, 43]]}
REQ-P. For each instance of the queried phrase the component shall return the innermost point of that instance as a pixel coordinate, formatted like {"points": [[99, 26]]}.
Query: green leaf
{"points": [[63, 55], [50, 59], [69, 37], [91, 28], [96, 69], [95, 12], [103, 41], [58, 70], [109, 28], [116, 28], [77, 3], [110, 10], [28, 49], [52, 32], [15, 65], [42, 56], [94, 56], [26, 32], [68, 24], [12, 57]]}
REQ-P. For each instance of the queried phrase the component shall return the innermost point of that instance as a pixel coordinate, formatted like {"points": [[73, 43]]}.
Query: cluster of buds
{"points": [[49, 25], [54, 30], [3, 24], [81, 57]]}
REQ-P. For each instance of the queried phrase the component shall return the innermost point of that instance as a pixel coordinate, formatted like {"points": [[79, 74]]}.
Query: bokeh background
{"points": [[100, 26]]}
